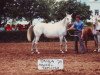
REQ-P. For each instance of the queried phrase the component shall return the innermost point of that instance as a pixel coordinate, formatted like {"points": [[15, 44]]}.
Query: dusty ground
{"points": [[16, 59]]}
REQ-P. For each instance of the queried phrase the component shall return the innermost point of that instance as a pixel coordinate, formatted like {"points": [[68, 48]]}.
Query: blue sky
{"points": [[84, 0], [94, 5], [87, 1]]}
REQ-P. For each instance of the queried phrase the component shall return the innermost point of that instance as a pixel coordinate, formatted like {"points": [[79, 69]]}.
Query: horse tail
{"points": [[30, 33]]}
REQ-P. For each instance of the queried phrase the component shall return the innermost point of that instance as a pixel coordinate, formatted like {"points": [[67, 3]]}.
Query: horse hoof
{"points": [[32, 52], [38, 52], [62, 51], [95, 50], [66, 50]]}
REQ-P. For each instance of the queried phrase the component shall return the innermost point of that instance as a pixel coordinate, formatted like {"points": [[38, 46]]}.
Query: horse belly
{"points": [[54, 33], [51, 35]]}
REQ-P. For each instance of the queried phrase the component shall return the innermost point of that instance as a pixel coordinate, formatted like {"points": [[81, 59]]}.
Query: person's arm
{"points": [[72, 27], [82, 33]]}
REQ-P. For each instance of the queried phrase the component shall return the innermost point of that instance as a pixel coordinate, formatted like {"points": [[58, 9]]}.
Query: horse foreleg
{"points": [[86, 44], [61, 44], [61, 47], [65, 44]]}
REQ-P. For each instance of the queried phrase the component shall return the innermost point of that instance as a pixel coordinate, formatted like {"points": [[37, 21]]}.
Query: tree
{"points": [[72, 7], [2, 4], [46, 9], [28, 8], [59, 10]]}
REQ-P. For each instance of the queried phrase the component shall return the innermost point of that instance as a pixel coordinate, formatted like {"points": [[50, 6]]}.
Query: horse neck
{"points": [[63, 22]]}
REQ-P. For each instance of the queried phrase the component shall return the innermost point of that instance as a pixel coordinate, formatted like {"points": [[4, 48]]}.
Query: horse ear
{"points": [[71, 14]]}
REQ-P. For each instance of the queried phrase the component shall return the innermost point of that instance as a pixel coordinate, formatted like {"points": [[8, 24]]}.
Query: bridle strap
{"points": [[71, 34]]}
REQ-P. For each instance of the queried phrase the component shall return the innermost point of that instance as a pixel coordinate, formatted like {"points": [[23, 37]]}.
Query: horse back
{"points": [[87, 32]]}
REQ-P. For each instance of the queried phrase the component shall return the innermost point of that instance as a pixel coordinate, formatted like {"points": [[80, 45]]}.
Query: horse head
{"points": [[68, 19]]}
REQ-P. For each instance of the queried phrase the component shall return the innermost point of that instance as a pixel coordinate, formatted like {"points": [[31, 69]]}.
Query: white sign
{"points": [[50, 64]]}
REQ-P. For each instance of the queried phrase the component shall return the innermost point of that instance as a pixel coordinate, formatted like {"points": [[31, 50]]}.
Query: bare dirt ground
{"points": [[16, 59]]}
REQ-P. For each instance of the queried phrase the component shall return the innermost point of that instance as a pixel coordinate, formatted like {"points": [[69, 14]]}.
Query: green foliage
{"points": [[75, 8], [47, 9], [89, 24]]}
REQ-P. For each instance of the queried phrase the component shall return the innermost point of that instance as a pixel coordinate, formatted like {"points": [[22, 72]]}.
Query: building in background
{"points": [[94, 6]]}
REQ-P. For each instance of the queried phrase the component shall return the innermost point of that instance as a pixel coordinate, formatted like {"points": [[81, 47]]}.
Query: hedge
{"points": [[21, 36], [13, 36]]}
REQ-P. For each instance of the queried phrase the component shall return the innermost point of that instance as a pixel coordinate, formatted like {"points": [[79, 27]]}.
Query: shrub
{"points": [[21, 36], [13, 36], [88, 23]]}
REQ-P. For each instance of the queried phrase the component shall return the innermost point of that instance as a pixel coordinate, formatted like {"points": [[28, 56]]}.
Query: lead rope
{"points": [[71, 34]]}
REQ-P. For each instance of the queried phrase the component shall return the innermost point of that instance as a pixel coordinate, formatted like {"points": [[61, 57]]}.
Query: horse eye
{"points": [[67, 18]]}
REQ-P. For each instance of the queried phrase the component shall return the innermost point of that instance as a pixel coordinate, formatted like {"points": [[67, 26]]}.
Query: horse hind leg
{"points": [[86, 45], [33, 46], [36, 44]]}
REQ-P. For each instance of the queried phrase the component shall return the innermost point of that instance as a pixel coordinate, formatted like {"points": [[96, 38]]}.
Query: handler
{"points": [[95, 24], [78, 26]]}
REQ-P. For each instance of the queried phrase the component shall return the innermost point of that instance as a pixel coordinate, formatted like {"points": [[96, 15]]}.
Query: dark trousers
{"points": [[81, 42], [96, 41]]}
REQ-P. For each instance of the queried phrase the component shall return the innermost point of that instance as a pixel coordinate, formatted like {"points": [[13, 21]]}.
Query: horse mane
{"points": [[61, 21]]}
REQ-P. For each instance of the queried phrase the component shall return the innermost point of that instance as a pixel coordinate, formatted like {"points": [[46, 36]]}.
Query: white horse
{"points": [[96, 31], [55, 30]]}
